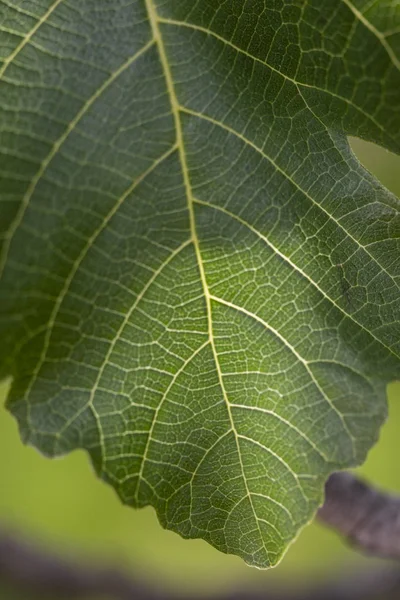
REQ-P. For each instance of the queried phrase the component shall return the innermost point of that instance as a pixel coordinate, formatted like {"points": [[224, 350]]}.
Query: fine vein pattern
{"points": [[199, 283]]}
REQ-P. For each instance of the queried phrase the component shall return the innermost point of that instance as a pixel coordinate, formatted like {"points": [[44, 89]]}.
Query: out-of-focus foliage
{"points": [[39, 499]]}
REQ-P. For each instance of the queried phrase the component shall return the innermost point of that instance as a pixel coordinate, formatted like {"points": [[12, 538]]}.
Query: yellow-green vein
{"points": [[155, 24], [56, 147]]}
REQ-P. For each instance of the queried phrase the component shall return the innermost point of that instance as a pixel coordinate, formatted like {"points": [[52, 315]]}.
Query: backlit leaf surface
{"points": [[199, 281]]}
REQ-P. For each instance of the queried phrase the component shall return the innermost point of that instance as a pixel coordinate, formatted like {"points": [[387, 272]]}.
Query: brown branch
{"points": [[369, 519], [27, 567], [39, 574]]}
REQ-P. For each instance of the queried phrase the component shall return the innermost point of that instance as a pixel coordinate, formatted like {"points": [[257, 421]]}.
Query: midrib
{"points": [[175, 107]]}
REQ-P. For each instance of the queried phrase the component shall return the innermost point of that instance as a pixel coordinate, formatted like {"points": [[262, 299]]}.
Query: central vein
{"points": [[175, 106], [190, 200], [179, 140]]}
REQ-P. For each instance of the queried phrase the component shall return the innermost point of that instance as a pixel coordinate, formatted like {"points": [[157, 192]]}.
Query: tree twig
{"points": [[368, 518], [43, 576]]}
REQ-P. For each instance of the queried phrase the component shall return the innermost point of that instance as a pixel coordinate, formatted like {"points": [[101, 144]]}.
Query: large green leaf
{"points": [[199, 281]]}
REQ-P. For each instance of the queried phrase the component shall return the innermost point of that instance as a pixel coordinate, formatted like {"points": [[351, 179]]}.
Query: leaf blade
{"points": [[179, 307]]}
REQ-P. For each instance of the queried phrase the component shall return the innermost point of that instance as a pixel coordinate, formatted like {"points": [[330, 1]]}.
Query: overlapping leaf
{"points": [[199, 282]]}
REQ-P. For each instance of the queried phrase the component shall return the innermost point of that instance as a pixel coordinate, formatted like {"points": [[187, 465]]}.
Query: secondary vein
{"points": [[58, 144], [175, 107], [28, 37]]}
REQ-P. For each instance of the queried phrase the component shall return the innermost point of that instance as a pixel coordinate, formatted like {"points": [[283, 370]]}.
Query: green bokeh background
{"points": [[67, 510]]}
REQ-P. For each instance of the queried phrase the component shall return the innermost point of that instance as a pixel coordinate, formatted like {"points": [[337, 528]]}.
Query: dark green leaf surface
{"points": [[199, 281]]}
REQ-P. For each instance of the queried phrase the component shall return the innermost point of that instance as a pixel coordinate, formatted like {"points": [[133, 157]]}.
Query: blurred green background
{"points": [[67, 510]]}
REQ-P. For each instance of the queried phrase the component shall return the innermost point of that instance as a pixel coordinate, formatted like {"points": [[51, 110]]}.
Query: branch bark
{"points": [[367, 518]]}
